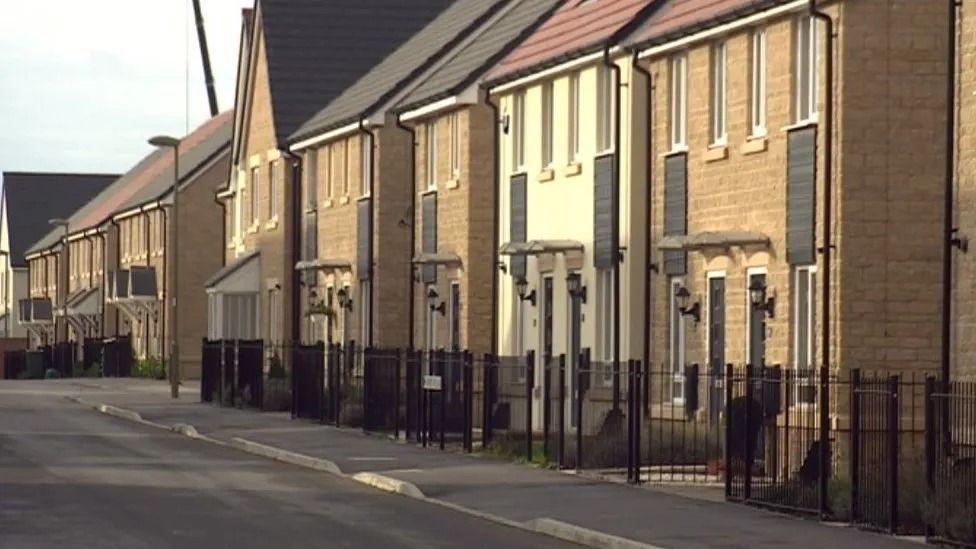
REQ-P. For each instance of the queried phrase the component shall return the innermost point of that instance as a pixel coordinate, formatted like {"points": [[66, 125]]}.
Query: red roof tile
{"points": [[572, 29], [677, 15]]}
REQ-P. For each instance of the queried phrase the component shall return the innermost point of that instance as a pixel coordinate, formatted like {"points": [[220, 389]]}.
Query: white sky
{"points": [[84, 83]]}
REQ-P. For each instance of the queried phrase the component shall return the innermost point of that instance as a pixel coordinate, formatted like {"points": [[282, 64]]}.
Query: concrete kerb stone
{"points": [[583, 536], [389, 484], [286, 456]]}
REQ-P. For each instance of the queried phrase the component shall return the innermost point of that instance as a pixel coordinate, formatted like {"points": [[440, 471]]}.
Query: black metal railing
{"points": [[15, 364], [117, 357], [950, 461]]}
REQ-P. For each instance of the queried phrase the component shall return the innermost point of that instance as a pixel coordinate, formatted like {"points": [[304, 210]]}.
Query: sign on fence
{"points": [[432, 383]]}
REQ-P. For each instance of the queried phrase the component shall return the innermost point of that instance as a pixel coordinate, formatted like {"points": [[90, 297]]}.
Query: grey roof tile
{"points": [[401, 66], [476, 57], [31, 199], [317, 48]]}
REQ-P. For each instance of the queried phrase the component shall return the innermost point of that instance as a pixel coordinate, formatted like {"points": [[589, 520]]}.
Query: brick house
{"points": [[358, 166], [454, 189], [737, 158], [116, 241], [281, 84], [571, 193], [28, 200]]}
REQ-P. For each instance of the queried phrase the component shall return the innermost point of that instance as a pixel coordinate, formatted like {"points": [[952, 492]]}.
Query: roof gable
{"points": [[31, 199], [401, 67], [315, 49]]}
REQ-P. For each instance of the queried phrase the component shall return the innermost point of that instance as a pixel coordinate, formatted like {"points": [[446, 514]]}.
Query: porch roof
{"points": [[323, 265], [237, 276], [538, 247], [437, 258], [713, 239], [84, 302]]}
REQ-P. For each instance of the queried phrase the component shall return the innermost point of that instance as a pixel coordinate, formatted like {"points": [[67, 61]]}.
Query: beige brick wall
{"points": [[888, 173], [465, 205], [964, 265]]}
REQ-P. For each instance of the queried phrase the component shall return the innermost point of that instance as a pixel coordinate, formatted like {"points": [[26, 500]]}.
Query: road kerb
{"points": [[389, 484], [583, 536], [285, 456]]}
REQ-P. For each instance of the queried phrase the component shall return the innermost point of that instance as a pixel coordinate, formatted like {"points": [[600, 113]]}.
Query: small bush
{"points": [[51, 373], [150, 368]]}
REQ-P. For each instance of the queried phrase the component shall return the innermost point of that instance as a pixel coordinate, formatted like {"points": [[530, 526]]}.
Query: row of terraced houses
{"points": [[684, 183], [513, 175]]}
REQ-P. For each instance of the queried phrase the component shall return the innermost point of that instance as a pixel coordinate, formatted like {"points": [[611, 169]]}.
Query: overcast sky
{"points": [[84, 83]]}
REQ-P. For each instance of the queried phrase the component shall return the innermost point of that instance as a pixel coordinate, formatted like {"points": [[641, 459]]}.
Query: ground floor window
{"points": [[804, 330], [240, 316], [676, 340], [365, 331], [605, 324]]}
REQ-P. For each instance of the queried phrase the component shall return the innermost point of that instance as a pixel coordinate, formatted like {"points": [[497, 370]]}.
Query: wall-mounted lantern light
{"points": [[345, 302], [683, 297], [758, 299], [522, 286], [575, 287]]}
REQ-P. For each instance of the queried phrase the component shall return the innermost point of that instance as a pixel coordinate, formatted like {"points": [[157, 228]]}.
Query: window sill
{"points": [[716, 153], [327, 203], [453, 183], [343, 200], [799, 125], [754, 145], [253, 228], [545, 175], [271, 224], [232, 245], [676, 149], [573, 168]]}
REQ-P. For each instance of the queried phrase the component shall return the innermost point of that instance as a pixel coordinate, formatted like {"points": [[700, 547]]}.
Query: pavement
{"points": [[74, 478], [586, 510]]}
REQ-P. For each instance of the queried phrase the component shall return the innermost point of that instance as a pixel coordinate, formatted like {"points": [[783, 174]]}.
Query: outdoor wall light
{"points": [[683, 296], [758, 299], [432, 296], [521, 287], [504, 122], [345, 302], [575, 287]]}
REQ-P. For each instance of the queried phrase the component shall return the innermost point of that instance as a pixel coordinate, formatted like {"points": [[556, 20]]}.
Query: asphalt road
{"points": [[70, 477]]}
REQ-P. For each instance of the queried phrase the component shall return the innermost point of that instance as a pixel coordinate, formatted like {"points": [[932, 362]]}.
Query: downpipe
{"points": [[648, 200], [411, 307], [949, 238], [611, 66], [496, 223], [368, 341]]}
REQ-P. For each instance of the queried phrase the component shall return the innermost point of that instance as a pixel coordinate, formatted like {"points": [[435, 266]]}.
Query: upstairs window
{"points": [[604, 109], [431, 156], [339, 168], [547, 122], [717, 94], [757, 83], [518, 131], [805, 62], [327, 172], [573, 118], [311, 179], [366, 159], [272, 191], [679, 102], [253, 195], [455, 146]]}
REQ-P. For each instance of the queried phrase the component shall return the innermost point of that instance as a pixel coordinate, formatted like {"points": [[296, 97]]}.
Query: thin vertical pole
{"points": [[824, 439], [562, 409], [728, 431], [894, 426], [855, 443], [396, 394], [529, 390]]}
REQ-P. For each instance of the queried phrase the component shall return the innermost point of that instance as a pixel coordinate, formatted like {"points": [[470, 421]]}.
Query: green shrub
{"points": [[275, 368], [150, 368]]}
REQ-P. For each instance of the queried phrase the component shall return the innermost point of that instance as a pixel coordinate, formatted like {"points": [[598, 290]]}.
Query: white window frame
{"points": [[676, 356], [548, 152], [604, 109], [253, 195], [340, 171], [518, 131], [347, 161], [329, 178], [806, 64], [717, 94], [604, 284], [431, 155], [757, 83], [365, 290], [455, 145], [750, 272], [366, 163], [272, 191], [311, 180], [573, 147], [811, 322], [678, 102]]}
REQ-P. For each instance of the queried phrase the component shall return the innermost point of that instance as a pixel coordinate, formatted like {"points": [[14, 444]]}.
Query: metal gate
{"points": [[874, 451]]}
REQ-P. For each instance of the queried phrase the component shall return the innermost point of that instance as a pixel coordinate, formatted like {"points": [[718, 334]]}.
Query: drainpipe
{"points": [[495, 221], [948, 238], [223, 230], [118, 266], [372, 219], [296, 242], [827, 246], [616, 222], [101, 317], [648, 200], [413, 222], [145, 331]]}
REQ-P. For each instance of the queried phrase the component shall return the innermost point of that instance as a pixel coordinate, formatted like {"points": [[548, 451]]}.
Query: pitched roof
{"points": [[402, 66], [475, 58], [151, 169], [575, 29], [196, 151], [678, 17], [33, 198], [315, 48]]}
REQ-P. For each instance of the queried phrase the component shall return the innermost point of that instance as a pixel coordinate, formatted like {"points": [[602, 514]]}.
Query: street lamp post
{"points": [[173, 256]]}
